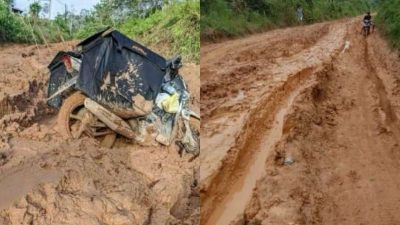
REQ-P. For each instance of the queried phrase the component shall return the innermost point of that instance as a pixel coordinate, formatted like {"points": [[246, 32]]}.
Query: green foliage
{"points": [[47, 31], [389, 19], [34, 9], [177, 25], [220, 16], [172, 27], [12, 27], [232, 17], [17, 28]]}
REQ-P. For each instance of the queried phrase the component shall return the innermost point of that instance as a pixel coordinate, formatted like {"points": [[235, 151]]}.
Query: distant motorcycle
{"points": [[113, 85], [367, 25]]}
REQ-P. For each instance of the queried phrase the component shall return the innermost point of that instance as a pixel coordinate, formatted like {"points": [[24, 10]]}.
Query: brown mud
{"points": [[45, 179], [300, 126]]}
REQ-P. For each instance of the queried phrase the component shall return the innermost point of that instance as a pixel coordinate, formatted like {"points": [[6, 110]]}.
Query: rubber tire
{"points": [[69, 104]]}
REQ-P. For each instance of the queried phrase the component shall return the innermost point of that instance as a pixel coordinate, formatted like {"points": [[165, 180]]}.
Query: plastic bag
{"points": [[169, 103]]}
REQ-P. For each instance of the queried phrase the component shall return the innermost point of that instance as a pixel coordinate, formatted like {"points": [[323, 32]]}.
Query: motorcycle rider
{"points": [[300, 13], [367, 22]]}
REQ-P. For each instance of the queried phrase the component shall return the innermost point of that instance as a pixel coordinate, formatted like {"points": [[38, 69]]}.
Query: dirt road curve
{"points": [[301, 126], [46, 180]]}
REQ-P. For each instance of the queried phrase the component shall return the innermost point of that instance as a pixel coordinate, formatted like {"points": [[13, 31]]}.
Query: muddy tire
{"points": [[64, 119], [69, 105]]}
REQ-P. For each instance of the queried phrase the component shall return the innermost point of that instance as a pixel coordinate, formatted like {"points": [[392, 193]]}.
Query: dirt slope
{"points": [[45, 179], [300, 126]]}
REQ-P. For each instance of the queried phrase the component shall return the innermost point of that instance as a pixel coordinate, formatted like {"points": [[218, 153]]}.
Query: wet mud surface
{"points": [[46, 179], [300, 126]]}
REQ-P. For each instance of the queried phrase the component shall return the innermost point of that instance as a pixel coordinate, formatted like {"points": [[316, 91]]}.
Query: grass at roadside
{"points": [[231, 18], [389, 19], [177, 26], [174, 28]]}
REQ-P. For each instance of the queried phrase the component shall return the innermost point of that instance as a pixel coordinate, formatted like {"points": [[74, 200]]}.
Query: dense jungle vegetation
{"points": [[234, 17], [388, 19]]}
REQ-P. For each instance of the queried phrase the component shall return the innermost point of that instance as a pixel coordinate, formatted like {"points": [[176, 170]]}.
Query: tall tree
{"points": [[35, 9]]}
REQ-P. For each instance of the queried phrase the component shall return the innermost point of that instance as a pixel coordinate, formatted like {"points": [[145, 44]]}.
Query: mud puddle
{"points": [[18, 184], [240, 194]]}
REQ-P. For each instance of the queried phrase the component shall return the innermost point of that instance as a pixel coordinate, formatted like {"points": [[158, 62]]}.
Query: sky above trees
{"points": [[58, 6]]}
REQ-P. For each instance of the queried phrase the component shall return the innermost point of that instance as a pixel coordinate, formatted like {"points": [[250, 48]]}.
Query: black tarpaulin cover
{"points": [[115, 68]]}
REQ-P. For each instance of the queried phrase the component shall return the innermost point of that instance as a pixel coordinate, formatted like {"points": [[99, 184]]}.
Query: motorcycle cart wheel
{"points": [[74, 120]]}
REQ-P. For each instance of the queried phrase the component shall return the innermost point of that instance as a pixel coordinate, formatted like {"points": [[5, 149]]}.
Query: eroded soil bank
{"points": [[45, 179], [336, 158]]}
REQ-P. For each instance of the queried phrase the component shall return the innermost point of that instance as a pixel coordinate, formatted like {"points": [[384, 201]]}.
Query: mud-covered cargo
{"points": [[114, 70]]}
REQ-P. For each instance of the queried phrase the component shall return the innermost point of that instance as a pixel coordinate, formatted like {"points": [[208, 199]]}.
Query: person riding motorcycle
{"points": [[300, 13], [367, 23]]}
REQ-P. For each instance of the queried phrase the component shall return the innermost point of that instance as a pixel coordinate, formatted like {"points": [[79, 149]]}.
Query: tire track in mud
{"points": [[231, 188], [346, 168], [262, 47], [248, 167], [247, 56], [391, 119], [224, 118]]}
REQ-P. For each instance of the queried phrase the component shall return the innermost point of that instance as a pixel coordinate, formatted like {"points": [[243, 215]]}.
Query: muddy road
{"points": [[46, 180], [301, 126]]}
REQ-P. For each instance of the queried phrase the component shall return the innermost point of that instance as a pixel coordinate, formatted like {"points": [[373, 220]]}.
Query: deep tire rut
{"points": [[324, 136], [237, 164], [391, 119]]}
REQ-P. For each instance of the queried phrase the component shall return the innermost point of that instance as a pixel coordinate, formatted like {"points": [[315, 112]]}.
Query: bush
{"points": [[47, 31], [219, 16], [12, 27], [389, 19], [241, 16], [175, 27], [20, 29]]}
